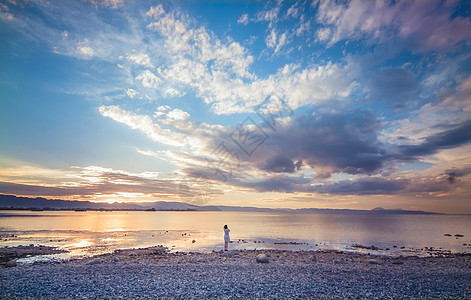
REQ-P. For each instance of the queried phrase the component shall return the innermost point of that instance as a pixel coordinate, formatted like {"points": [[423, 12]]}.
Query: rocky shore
{"points": [[271, 274]]}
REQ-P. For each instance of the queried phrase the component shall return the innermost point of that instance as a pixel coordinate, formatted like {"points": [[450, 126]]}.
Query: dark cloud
{"points": [[395, 86], [459, 135], [453, 174], [365, 186], [343, 142], [332, 142], [281, 164], [279, 183], [110, 183]]}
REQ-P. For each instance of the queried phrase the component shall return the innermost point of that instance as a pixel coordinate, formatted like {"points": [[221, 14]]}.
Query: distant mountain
{"points": [[14, 202], [10, 201]]}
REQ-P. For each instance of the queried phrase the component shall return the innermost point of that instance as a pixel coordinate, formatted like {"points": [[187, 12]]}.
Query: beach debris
{"points": [[459, 235], [374, 261], [447, 234], [372, 247], [11, 263], [193, 241], [95, 261], [338, 261], [262, 258], [314, 258]]}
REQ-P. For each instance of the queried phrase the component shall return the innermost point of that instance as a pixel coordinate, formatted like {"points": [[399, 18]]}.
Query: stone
{"points": [[262, 258], [314, 258], [338, 261], [95, 261], [115, 260], [374, 261], [11, 263]]}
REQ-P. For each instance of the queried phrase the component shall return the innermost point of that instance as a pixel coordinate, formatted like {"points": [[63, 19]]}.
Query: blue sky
{"points": [[273, 104]]}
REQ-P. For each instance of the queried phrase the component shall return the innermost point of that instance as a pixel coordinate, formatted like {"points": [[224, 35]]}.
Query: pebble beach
{"points": [[155, 273]]}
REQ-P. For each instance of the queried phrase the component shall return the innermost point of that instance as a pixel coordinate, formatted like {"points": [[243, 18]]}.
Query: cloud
{"points": [[293, 11], [395, 86], [244, 19], [457, 135], [131, 93], [280, 164], [94, 182], [144, 124], [269, 15], [460, 100], [421, 25], [342, 142], [149, 79], [365, 186], [155, 11], [86, 51], [141, 59]]}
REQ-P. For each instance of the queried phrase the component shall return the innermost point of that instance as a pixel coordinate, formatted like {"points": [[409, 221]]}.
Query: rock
{"points": [[314, 258], [398, 262], [11, 263], [95, 261], [338, 261], [115, 260], [374, 261], [262, 258]]}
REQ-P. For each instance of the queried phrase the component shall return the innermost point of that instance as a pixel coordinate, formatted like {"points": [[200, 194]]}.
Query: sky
{"points": [[287, 104]]}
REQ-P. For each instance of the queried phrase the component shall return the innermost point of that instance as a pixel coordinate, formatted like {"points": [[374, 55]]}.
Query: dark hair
{"points": [[225, 226]]}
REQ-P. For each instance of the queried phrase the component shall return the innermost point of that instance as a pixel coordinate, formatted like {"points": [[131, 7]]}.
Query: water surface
{"points": [[96, 232]]}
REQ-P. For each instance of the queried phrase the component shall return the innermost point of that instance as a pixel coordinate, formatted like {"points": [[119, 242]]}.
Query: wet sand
{"points": [[156, 273]]}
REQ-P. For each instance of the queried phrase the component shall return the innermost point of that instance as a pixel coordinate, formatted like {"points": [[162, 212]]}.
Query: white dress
{"points": [[227, 239]]}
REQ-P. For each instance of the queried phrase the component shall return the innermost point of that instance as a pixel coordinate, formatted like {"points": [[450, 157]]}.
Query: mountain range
{"points": [[15, 202]]}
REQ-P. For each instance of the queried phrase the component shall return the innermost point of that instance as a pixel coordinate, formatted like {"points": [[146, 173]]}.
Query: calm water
{"points": [[87, 233]]}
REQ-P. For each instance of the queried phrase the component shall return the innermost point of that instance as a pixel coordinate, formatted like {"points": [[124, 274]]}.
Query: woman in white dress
{"points": [[227, 239]]}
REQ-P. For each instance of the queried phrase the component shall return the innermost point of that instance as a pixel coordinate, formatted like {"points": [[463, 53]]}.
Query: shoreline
{"points": [[155, 272]]}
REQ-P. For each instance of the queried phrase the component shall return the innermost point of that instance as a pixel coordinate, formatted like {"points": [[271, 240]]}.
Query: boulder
{"points": [[95, 261], [374, 261], [11, 263], [262, 258]]}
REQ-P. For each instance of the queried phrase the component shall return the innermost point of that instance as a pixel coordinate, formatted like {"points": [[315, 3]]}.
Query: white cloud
{"points": [[178, 114], [269, 15], [171, 92], [323, 34], [149, 79], [270, 40], [422, 25], [131, 93], [281, 42], [244, 19], [461, 99], [155, 11], [85, 51], [141, 59], [293, 11], [144, 124]]}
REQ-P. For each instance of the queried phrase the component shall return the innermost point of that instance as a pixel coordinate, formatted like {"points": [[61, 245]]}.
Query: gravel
{"points": [[154, 273]]}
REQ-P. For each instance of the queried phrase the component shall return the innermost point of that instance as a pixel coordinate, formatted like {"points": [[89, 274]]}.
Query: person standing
{"points": [[227, 239]]}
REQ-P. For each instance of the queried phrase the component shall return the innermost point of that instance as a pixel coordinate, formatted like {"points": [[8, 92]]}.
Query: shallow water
{"points": [[92, 232]]}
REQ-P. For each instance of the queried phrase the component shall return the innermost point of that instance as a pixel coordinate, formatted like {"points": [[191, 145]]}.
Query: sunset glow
{"points": [[268, 104]]}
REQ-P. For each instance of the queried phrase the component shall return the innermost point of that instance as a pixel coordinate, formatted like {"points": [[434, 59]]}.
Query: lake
{"points": [[96, 232]]}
